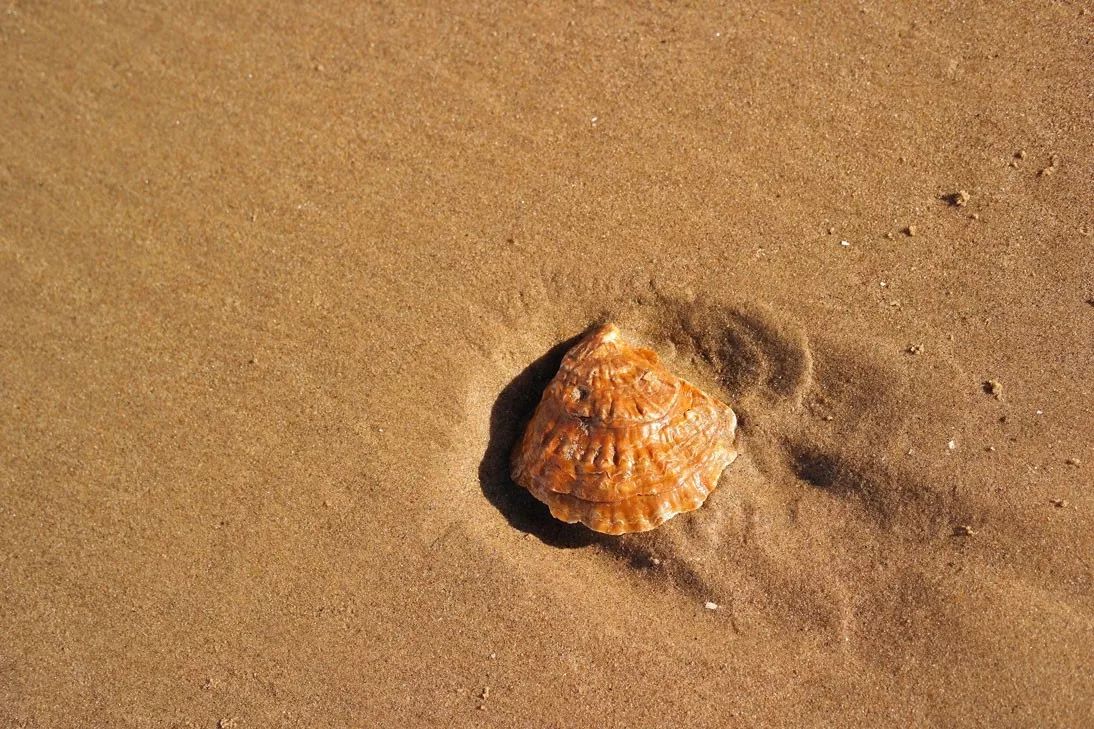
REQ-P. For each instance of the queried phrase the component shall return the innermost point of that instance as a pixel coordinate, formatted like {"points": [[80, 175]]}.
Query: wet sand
{"points": [[281, 285]]}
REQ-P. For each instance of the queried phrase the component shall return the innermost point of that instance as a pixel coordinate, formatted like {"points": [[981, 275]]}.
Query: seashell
{"points": [[621, 444]]}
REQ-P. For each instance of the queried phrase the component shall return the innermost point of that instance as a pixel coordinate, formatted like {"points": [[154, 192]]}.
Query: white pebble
{"points": [[845, 243], [711, 606], [952, 444]]}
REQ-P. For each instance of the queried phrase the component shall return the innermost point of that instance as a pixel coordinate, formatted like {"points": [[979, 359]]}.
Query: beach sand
{"points": [[281, 283]]}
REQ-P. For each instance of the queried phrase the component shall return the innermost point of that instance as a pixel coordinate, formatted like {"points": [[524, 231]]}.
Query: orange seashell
{"points": [[621, 444]]}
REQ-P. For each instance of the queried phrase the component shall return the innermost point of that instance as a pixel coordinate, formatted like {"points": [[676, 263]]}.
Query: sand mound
{"points": [[828, 527]]}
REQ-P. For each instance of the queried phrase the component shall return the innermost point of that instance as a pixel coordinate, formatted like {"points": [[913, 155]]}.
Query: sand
{"points": [[281, 282]]}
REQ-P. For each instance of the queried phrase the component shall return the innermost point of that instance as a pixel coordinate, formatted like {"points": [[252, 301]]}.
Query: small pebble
{"points": [[963, 530], [1059, 503], [1073, 462], [845, 243], [1054, 161], [990, 449], [958, 199], [994, 388], [711, 606], [915, 349], [1020, 154], [655, 561], [909, 231], [952, 445]]}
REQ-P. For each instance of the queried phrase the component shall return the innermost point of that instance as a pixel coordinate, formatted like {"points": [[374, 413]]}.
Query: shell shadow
{"points": [[511, 412]]}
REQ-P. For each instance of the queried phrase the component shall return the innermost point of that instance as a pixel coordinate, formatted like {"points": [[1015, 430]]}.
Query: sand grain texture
{"points": [[281, 284]]}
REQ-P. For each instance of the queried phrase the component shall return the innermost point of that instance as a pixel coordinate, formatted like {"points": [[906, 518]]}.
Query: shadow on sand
{"points": [[508, 417]]}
